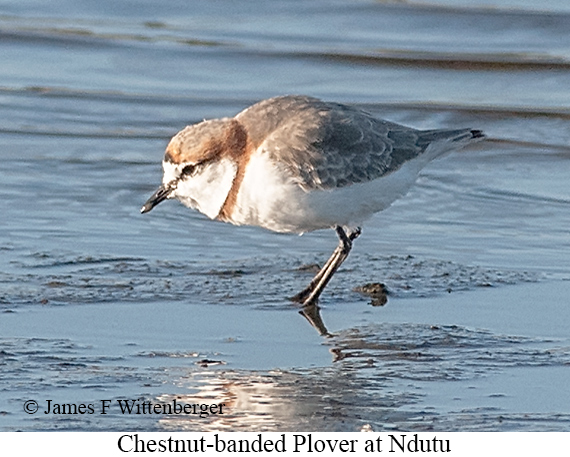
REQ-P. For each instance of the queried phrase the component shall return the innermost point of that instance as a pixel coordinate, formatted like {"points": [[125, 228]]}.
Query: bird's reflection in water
{"points": [[380, 377], [313, 314], [377, 292]]}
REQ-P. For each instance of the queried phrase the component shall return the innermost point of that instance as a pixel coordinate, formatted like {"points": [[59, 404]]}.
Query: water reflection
{"points": [[313, 314], [378, 294], [383, 376], [324, 399], [80, 144], [378, 380]]}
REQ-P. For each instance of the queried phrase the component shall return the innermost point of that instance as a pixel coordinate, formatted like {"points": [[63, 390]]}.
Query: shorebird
{"points": [[297, 164]]}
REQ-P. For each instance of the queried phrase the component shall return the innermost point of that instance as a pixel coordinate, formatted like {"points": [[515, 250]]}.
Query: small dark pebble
{"points": [[204, 363], [376, 291]]}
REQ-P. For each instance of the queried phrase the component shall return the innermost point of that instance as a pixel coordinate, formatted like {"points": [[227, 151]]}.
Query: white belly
{"points": [[270, 199]]}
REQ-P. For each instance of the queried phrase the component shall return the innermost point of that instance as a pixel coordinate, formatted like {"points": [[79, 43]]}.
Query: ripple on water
{"points": [[260, 281], [380, 377]]}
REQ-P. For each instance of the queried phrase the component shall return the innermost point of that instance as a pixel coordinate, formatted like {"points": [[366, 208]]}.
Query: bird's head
{"points": [[199, 166]]}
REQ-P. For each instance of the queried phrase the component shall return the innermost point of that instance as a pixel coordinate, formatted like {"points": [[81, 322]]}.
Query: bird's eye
{"points": [[188, 170]]}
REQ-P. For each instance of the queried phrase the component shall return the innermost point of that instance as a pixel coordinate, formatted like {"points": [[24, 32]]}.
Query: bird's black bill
{"points": [[160, 195]]}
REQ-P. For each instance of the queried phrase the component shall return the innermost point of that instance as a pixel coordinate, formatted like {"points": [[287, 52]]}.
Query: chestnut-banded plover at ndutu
{"points": [[296, 164]]}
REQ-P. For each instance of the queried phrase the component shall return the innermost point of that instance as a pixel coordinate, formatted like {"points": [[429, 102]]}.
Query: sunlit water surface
{"points": [[99, 302]]}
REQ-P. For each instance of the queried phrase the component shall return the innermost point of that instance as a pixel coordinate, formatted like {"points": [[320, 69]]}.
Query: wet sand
{"points": [[100, 303], [494, 359]]}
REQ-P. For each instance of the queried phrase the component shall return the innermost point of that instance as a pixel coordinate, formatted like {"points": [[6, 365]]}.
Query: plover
{"points": [[297, 164]]}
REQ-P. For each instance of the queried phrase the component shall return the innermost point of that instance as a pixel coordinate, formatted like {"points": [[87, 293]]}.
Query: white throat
{"points": [[208, 189]]}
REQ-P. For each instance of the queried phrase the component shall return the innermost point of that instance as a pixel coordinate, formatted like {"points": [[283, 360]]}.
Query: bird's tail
{"points": [[453, 136], [438, 142]]}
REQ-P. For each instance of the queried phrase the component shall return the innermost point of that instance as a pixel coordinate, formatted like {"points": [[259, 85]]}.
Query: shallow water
{"points": [[100, 302]]}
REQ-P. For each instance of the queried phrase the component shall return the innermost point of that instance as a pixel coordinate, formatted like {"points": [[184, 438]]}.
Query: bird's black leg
{"points": [[310, 295], [302, 296]]}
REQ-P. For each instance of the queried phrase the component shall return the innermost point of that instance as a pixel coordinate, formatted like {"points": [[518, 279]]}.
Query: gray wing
{"points": [[327, 145]]}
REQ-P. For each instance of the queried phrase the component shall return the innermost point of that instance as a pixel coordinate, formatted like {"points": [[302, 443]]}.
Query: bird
{"points": [[296, 164]]}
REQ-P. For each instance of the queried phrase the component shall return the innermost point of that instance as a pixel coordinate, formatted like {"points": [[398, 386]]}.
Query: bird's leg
{"points": [[310, 295], [339, 256], [301, 296]]}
